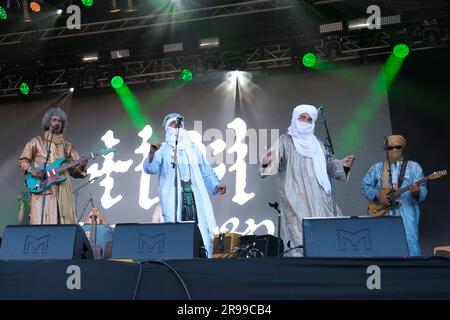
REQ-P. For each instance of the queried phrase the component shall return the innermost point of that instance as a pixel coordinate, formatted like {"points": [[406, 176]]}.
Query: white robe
{"points": [[300, 193], [192, 165]]}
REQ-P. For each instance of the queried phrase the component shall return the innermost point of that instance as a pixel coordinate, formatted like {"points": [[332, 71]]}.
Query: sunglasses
{"points": [[395, 147]]}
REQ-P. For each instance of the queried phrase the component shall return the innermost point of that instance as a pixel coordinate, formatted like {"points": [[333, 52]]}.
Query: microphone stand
{"points": [[44, 176], [175, 166], [76, 192], [275, 206], [329, 151]]}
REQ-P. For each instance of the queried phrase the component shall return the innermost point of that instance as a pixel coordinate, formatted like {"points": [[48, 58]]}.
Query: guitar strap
{"points": [[402, 172]]}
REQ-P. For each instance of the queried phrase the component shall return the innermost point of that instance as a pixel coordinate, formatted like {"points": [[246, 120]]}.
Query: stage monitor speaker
{"points": [[266, 245], [43, 242], [354, 237], [224, 243], [157, 241]]}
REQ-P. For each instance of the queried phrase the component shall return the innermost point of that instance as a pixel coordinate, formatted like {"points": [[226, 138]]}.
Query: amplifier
{"points": [[224, 243]]}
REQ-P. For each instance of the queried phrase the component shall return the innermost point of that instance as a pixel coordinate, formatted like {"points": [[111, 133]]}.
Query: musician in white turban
{"points": [[298, 159], [195, 179]]}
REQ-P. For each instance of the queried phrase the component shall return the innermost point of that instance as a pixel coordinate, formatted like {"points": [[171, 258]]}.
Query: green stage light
{"points": [[401, 50], [87, 3], [186, 75], [24, 88], [3, 14], [117, 82], [309, 59]]}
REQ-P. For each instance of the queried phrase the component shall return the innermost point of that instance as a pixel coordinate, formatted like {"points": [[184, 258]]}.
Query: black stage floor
{"points": [[228, 279]]}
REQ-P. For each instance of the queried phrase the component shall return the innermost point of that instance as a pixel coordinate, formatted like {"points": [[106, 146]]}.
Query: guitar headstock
{"points": [[94, 214], [437, 174], [103, 152]]}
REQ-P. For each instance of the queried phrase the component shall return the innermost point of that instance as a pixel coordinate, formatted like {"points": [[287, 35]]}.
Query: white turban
{"points": [[307, 144], [183, 138]]}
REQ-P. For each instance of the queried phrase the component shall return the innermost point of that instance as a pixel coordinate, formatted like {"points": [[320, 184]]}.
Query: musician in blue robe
{"points": [[195, 179], [377, 178]]}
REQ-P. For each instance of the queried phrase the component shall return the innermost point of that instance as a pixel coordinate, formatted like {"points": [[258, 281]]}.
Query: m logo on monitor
{"points": [[151, 244], [36, 245], [359, 240]]}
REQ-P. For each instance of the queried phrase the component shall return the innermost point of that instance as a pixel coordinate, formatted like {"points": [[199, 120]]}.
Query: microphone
{"points": [[273, 205], [55, 126], [179, 120], [320, 110], [221, 243]]}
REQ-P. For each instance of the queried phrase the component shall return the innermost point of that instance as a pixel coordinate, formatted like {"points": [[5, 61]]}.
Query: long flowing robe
{"points": [[192, 165], [299, 190], [409, 209], [59, 204]]}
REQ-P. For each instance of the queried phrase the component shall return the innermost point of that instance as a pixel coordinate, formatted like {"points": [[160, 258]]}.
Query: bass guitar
{"points": [[52, 174], [376, 209]]}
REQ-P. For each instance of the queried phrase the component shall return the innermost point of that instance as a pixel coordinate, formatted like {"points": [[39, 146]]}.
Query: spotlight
{"points": [[35, 6], [87, 3], [90, 57], [401, 50], [59, 11], [24, 88], [131, 7], [72, 89], [186, 75], [114, 7], [3, 14], [117, 82], [309, 59], [208, 43]]}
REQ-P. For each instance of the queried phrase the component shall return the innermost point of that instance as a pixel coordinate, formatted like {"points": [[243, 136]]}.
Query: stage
{"points": [[228, 279]]}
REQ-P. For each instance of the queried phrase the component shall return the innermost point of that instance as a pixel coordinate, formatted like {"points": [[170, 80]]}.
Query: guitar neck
{"points": [[73, 163], [68, 165], [402, 190]]}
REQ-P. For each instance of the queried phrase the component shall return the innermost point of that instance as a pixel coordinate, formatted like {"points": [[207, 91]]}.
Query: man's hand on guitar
{"points": [[414, 188], [83, 161], [383, 198], [37, 173]]}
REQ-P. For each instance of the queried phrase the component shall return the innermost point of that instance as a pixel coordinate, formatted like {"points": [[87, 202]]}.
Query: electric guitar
{"points": [[376, 209], [54, 169], [96, 249]]}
